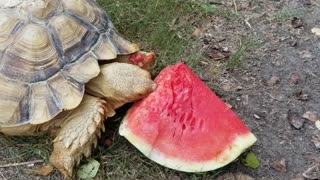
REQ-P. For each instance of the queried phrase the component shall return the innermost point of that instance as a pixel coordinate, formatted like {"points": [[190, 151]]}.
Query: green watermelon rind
{"points": [[238, 146]]}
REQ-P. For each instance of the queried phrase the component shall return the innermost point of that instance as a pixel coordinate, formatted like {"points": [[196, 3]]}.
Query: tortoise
{"points": [[64, 69]]}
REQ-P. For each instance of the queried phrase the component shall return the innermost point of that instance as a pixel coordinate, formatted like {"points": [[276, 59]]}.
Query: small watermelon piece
{"points": [[183, 125]]}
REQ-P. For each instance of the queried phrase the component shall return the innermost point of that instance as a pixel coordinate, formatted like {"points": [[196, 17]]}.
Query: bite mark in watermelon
{"points": [[183, 125]]}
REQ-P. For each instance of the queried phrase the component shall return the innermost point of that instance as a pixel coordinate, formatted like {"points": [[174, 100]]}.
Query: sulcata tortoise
{"points": [[63, 70]]}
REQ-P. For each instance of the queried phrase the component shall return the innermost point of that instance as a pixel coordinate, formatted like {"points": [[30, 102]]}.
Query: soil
{"points": [[277, 81], [270, 85]]}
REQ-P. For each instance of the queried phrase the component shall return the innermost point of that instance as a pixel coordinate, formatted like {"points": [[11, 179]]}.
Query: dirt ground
{"points": [[277, 81], [263, 61]]}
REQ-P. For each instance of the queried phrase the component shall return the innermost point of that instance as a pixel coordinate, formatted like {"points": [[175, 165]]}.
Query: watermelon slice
{"points": [[183, 125]]}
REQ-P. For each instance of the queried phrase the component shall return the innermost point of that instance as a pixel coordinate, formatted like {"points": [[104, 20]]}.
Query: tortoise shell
{"points": [[48, 51]]}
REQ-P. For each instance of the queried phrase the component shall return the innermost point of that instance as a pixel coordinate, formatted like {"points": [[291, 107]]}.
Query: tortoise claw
{"points": [[43, 170]]}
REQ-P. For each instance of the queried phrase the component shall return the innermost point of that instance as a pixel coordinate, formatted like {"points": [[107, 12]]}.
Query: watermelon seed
{"points": [[193, 123], [174, 134], [184, 126], [182, 118]]}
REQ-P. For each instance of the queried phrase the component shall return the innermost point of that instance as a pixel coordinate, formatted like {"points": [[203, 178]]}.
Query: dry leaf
{"points": [[196, 33], [273, 81], [226, 86], [297, 22], [279, 165], [217, 53], [295, 120], [230, 87], [316, 31], [301, 96], [317, 123], [295, 79], [316, 141], [311, 116]]}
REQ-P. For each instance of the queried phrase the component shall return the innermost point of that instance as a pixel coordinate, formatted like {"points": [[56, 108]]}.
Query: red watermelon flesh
{"points": [[183, 125]]}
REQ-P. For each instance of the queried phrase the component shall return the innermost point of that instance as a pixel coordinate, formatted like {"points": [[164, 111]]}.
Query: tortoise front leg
{"points": [[80, 130], [117, 84]]}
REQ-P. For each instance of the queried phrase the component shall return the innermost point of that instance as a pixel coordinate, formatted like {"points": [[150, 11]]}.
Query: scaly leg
{"points": [[117, 84], [80, 130]]}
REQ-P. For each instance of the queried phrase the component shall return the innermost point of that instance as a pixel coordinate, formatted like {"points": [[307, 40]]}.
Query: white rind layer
{"points": [[240, 144]]}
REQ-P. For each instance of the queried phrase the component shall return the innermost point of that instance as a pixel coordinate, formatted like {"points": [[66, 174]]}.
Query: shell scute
{"points": [[123, 46], [84, 69], [66, 90], [31, 57], [44, 9], [7, 24], [75, 38], [12, 104], [105, 49], [43, 105], [88, 12]]}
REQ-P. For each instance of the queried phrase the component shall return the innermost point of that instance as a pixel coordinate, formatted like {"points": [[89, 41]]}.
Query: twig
{"points": [[247, 23], [3, 176], [235, 6], [272, 96], [20, 164]]}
